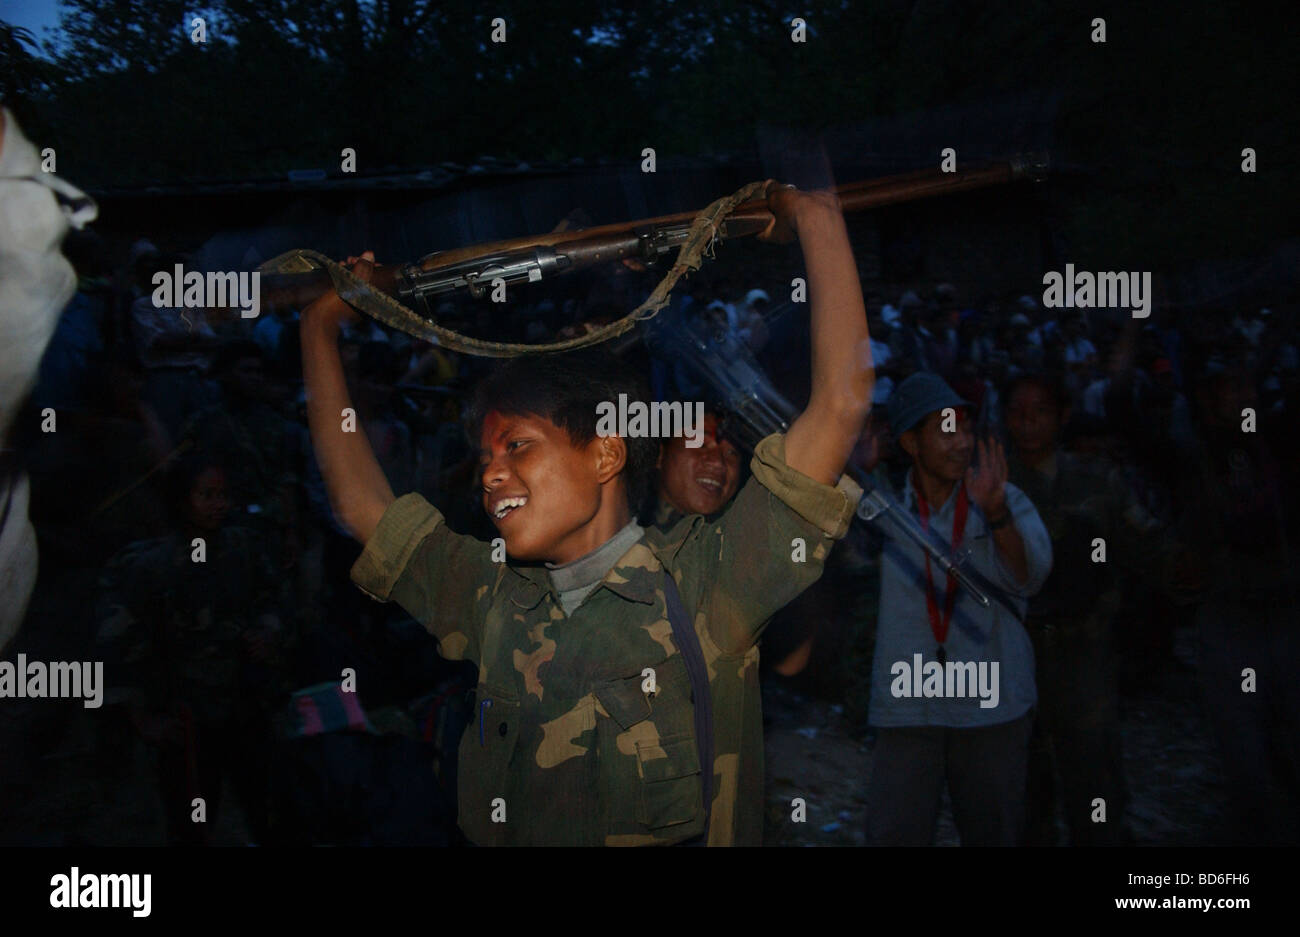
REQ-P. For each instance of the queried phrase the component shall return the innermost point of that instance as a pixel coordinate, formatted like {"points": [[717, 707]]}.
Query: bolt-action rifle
{"points": [[531, 259], [737, 381]]}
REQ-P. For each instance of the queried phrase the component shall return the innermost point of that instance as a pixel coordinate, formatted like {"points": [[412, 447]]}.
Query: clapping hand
{"points": [[987, 484]]}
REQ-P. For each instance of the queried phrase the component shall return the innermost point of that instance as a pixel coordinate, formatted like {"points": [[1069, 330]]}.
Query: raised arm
{"points": [[358, 491], [821, 438]]}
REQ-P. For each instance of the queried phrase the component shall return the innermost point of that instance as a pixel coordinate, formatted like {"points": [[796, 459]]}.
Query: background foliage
{"points": [[1159, 113]]}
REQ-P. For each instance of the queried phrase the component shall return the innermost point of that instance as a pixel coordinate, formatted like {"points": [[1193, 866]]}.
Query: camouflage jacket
{"points": [[565, 747]]}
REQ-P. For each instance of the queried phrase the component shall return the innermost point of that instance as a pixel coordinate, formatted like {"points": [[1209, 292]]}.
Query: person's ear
{"points": [[908, 442], [659, 457], [611, 457]]}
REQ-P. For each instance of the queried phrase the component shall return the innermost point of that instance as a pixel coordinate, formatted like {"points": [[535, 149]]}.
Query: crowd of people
{"points": [[182, 433], [1165, 441]]}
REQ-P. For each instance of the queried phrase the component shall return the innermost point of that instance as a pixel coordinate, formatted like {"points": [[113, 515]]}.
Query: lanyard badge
{"points": [[939, 624]]}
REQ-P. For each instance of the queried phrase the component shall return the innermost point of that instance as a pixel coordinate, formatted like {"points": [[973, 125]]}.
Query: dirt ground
{"points": [[813, 751], [1173, 770]]}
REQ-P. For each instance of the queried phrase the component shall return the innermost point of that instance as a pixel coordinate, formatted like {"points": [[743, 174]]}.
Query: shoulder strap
{"points": [[688, 643]]}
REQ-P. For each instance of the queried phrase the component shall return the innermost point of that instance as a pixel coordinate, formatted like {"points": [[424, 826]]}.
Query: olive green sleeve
{"points": [[443, 579], [767, 547], [829, 508]]}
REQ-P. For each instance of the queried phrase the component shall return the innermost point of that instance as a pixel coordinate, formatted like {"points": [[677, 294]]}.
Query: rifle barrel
{"points": [[612, 242], [754, 214]]}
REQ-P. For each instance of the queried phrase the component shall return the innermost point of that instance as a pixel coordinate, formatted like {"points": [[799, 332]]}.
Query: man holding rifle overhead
{"points": [[618, 676]]}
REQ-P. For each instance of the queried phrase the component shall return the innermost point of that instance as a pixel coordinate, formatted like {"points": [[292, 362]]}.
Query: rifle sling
{"points": [[688, 644], [389, 311]]}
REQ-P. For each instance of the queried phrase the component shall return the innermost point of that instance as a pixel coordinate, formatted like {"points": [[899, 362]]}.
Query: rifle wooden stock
{"points": [[612, 242]]}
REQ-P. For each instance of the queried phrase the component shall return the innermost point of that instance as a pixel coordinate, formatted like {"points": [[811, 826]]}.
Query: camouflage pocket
{"points": [[649, 763], [670, 782], [485, 752]]}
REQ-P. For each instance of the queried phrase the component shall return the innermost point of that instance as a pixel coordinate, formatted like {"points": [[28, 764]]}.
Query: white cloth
{"points": [[36, 282], [17, 558]]}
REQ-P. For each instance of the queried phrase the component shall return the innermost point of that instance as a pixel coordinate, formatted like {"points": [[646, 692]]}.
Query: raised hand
{"points": [[329, 306], [781, 202], [787, 205], [987, 485]]}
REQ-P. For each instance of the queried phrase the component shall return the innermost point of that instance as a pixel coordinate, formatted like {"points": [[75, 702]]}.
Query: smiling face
{"points": [[942, 455], [701, 480], [551, 500]]}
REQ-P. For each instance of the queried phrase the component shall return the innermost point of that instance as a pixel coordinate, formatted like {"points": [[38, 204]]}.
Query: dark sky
{"points": [[31, 14]]}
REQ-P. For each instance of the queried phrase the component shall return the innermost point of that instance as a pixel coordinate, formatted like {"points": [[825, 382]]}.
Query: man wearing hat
{"points": [[952, 688]]}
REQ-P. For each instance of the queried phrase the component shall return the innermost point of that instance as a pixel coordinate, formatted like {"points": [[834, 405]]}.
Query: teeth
{"points": [[710, 482], [506, 504]]}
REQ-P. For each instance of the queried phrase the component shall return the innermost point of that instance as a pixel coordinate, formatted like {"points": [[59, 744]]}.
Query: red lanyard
{"points": [[939, 626]]}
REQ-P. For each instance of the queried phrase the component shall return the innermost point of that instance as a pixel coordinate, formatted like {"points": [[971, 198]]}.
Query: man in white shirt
{"points": [[952, 683], [36, 282]]}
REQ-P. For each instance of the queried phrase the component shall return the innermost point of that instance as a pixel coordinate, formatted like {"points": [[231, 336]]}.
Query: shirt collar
{"points": [[638, 574], [592, 568], [627, 577], [909, 494]]}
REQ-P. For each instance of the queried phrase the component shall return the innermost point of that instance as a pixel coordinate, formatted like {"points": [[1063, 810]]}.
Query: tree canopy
{"points": [[1161, 109]]}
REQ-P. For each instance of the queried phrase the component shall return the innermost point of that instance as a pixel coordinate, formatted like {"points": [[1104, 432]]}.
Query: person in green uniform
{"points": [[587, 628], [1086, 507], [696, 480], [703, 480]]}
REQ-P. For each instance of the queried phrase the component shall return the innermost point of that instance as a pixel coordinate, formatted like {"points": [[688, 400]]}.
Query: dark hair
{"points": [[565, 389], [1048, 381]]}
